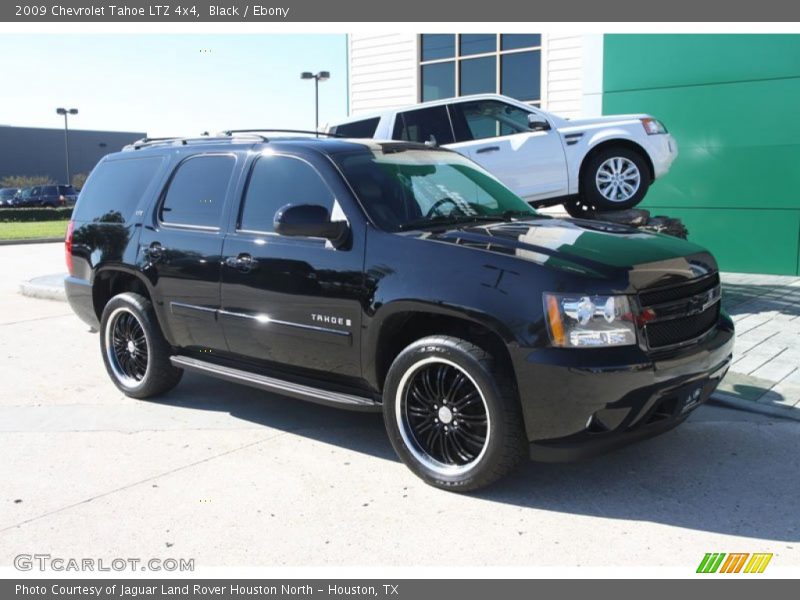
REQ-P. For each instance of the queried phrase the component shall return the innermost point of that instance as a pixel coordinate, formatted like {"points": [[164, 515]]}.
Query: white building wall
{"points": [[592, 105], [562, 74], [384, 72]]}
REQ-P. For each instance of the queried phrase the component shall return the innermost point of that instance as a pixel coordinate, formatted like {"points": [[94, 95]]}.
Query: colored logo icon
{"points": [[741, 562]]}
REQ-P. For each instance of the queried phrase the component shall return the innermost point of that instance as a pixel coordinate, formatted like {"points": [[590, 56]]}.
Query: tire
{"points": [[138, 363], [425, 434], [614, 166]]}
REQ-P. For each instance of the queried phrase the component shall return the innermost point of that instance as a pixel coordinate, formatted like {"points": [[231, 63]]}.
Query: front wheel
{"points": [[614, 179], [135, 352], [452, 414]]}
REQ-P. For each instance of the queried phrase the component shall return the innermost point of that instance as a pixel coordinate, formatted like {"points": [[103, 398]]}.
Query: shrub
{"points": [[26, 215]]}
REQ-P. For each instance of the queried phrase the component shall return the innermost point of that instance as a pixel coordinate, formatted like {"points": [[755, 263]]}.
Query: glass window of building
{"points": [[475, 63]]}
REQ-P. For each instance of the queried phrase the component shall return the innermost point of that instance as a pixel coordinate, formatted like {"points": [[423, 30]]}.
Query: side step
{"points": [[279, 386]]}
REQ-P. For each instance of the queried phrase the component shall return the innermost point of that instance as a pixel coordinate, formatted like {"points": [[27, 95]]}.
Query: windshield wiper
{"points": [[510, 214], [447, 220]]}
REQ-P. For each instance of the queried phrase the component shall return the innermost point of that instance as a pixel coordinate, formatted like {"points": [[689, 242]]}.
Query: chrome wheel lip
{"points": [[403, 426], [618, 179], [111, 354]]}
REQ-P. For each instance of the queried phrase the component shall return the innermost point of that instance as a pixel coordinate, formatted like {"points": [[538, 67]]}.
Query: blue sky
{"points": [[171, 84]]}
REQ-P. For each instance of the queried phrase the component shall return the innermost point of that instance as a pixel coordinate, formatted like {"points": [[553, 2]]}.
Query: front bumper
{"points": [[663, 150], [577, 403]]}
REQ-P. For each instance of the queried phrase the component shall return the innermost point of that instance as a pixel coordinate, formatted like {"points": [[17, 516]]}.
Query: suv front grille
{"points": [[681, 314], [682, 329]]}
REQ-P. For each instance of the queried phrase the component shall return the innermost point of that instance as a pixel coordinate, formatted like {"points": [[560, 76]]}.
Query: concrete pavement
{"points": [[766, 366], [228, 475]]}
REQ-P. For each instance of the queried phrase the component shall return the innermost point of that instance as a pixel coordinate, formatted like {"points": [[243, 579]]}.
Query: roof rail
{"points": [[305, 131], [183, 141]]}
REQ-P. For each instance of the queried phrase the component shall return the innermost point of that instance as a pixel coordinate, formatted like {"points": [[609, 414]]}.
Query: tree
{"points": [[21, 181], [78, 180]]}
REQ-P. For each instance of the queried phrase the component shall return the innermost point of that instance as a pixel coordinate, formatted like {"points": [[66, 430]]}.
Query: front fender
{"points": [[375, 333]]}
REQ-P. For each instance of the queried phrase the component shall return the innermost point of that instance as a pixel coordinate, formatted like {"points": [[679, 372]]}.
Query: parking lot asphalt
{"points": [[229, 475]]}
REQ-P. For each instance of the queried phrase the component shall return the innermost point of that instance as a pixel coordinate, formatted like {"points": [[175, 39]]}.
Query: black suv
{"points": [[396, 277], [52, 196]]}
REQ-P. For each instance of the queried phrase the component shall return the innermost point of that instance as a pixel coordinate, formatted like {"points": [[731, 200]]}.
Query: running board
{"points": [[272, 384]]}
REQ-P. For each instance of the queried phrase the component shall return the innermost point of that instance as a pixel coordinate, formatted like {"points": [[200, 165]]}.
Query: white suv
{"points": [[601, 163]]}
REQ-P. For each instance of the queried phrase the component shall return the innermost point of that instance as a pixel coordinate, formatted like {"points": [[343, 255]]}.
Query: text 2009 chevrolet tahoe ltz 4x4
{"points": [[395, 277]]}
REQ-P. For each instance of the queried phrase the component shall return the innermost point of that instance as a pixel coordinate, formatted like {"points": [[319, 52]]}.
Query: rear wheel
{"points": [[135, 352], [452, 416]]}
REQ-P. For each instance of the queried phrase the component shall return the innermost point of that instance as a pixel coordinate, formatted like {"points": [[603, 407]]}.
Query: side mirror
{"points": [[537, 123], [310, 220]]}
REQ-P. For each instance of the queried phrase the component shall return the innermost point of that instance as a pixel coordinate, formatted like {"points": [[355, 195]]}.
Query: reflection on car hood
{"points": [[594, 248]]}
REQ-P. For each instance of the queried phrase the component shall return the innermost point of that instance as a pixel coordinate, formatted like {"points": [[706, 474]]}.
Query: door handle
{"points": [[487, 149], [243, 262], [154, 252]]}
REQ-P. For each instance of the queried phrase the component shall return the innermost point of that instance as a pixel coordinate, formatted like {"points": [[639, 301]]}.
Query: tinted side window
{"points": [[276, 181], [197, 191], [50, 190], [357, 129], [423, 124], [115, 188]]}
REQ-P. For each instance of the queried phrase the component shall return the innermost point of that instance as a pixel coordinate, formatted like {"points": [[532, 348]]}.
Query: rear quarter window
{"points": [[357, 129], [115, 187]]}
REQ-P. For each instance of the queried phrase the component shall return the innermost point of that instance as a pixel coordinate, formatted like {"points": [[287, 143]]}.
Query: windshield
{"points": [[411, 189]]}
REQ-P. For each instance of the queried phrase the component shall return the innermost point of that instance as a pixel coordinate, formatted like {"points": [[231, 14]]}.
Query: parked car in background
{"points": [[7, 196], [24, 198], [601, 163], [52, 196]]}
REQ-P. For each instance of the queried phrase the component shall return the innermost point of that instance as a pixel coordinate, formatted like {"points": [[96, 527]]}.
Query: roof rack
{"points": [[305, 131], [183, 141], [223, 136]]}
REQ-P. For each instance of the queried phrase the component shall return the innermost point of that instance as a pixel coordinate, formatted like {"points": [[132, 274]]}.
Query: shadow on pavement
{"points": [[739, 297], [733, 477]]}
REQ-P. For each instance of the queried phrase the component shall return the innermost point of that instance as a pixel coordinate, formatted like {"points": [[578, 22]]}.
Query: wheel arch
{"points": [[615, 142], [402, 323], [110, 280]]}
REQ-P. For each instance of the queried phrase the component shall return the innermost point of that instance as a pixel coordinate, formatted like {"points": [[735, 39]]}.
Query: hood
{"points": [[592, 248]]}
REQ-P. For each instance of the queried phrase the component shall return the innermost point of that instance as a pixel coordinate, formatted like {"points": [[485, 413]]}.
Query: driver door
{"points": [[293, 302], [496, 136]]}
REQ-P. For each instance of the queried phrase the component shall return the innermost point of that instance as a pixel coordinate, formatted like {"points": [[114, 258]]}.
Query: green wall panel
{"points": [[652, 60], [730, 101], [747, 241]]}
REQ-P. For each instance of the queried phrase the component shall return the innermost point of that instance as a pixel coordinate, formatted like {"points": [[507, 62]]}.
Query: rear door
{"points": [[35, 197], [496, 136], [294, 302], [180, 249]]}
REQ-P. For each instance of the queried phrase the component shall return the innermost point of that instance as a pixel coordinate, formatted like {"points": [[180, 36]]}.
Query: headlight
{"points": [[653, 126], [575, 321]]}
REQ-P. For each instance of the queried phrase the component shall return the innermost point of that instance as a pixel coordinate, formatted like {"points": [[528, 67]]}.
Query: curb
{"points": [[785, 412], [49, 287], [31, 241]]}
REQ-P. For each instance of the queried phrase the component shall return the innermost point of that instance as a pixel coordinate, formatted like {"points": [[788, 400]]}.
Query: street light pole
{"points": [[66, 112], [317, 77]]}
